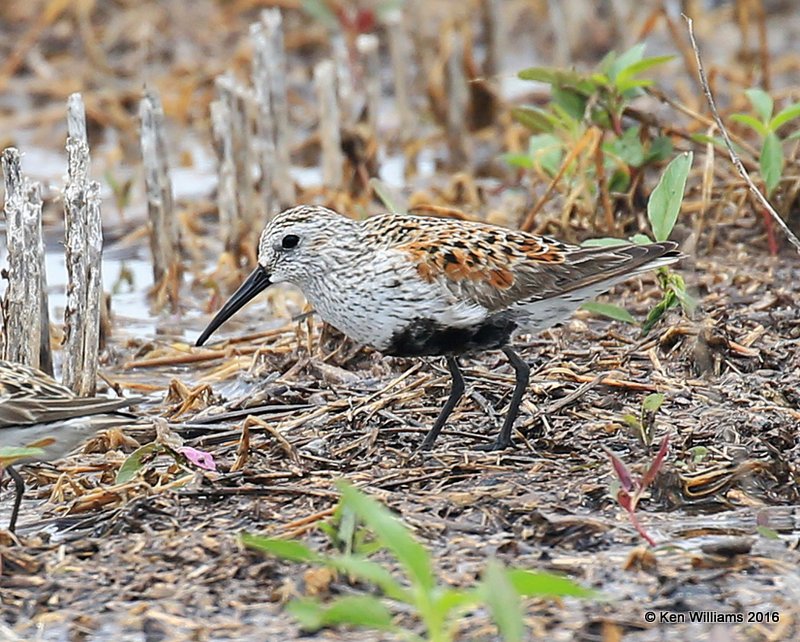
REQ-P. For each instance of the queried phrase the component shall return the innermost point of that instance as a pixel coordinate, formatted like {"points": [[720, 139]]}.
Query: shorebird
{"points": [[38, 412], [411, 286]]}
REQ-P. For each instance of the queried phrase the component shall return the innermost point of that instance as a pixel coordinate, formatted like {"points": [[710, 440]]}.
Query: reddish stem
{"points": [[770, 227]]}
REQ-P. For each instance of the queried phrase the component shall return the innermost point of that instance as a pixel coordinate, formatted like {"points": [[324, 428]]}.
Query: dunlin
{"points": [[410, 286], [38, 412]]}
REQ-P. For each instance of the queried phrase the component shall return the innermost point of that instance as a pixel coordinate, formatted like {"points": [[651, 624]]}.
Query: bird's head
{"points": [[297, 246]]}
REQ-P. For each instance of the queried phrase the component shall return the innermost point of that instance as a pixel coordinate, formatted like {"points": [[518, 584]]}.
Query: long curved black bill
{"points": [[258, 281]]}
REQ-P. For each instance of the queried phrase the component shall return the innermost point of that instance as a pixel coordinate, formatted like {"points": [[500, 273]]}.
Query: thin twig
{"points": [[734, 157]]}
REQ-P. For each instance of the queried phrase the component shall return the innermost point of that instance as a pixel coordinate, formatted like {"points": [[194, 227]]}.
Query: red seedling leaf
{"points": [[651, 473], [621, 470], [624, 500]]}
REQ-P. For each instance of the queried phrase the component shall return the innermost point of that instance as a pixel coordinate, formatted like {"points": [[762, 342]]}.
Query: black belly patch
{"points": [[426, 337]]}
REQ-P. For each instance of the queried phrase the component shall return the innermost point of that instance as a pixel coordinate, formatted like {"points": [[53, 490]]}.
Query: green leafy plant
{"points": [[434, 603], [663, 208], [644, 423], [628, 491], [766, 124], [587, 101]]}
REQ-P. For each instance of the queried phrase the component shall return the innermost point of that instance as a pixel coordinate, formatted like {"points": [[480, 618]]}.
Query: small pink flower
{"points": [[199, 458]]}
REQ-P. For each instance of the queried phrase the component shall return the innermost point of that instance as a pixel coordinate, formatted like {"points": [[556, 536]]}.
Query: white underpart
{"points": [[371, 309]]}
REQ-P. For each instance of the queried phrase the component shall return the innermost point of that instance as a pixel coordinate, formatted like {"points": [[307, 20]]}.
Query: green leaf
{"points": [[503, 601], [625, 76], [546, 151], [659, 310], [771, 162], [534, 118], [283, 548], [133, 464], [752, 122], [539, 74], [571, 101], [451, 599], [628, 147], [665, 201], [609, 310], [698, 453], [522, 161], [393, 534], [653, 402], [9, 455], [762, 103], [767, 532], [536, 584], [364, 611], [641, 239], [624, 60], [370, 572], [390, 200], [620, 181], [784, 116], [660, 149]]}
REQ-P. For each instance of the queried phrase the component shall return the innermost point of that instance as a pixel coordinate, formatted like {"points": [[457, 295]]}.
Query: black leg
{"points": [[19, 487], [523, 371], [456, 392]]}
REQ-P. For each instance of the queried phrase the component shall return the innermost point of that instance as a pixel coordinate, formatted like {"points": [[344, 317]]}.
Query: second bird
{"points": [[411, 286]]}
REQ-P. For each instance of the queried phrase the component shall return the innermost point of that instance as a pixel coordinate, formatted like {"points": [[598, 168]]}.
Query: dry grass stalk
{"points": [[84, 250], [163, 228], [26, 325], [329, 130]]}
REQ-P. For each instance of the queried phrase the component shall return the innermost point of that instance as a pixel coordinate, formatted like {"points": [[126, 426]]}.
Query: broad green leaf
{"points": [[572, 102], [534, 118], [653, 402], [771, 162], [450, 599], [546, 151], [641, 239], [752, 122], [659, 309], [636, 68], [784, 116], [521, 161], [660, 149], [767, 532], [390, 200], [356, 610], [620, 181], [698, 453], [625, 60], [9, 455], [393, 534], [372, 572], [628, 147], [665, 201], [609, 310], [133, 464], [536, 584], [283, 548], [539, 74], [608, 241], [762, 103], [503, 601]]}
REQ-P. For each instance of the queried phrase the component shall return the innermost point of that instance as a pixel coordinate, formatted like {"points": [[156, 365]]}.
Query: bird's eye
{"points": [[289, 241]]}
